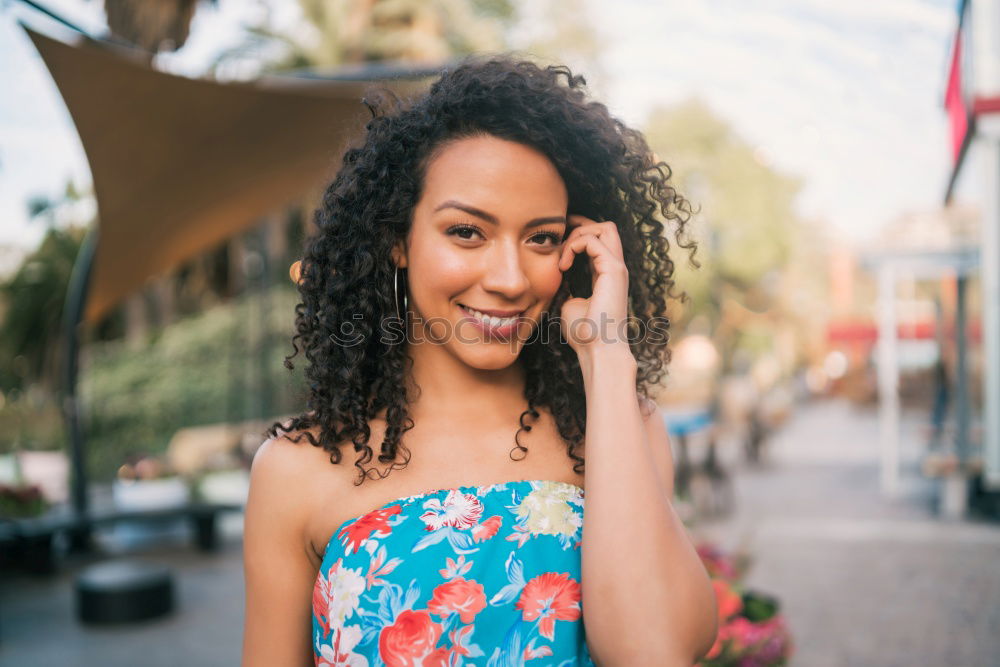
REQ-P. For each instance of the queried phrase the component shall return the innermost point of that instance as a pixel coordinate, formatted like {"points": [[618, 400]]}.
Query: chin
{"points": [[493, 354], [488, 356], [493, 364]]}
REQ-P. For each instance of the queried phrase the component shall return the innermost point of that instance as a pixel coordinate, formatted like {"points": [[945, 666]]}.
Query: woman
{"points": [[465, 311]]}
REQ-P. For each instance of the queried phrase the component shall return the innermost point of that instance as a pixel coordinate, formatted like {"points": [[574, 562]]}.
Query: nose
{"points": [[504, 273]]}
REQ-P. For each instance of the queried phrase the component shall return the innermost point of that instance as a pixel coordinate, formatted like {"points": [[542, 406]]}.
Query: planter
{"points": [[224, 486], [149, 494], [146, 494]]}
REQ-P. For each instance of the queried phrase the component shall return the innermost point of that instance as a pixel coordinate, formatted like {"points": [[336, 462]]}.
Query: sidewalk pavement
{"points": [[39, 628], [862, 579]]}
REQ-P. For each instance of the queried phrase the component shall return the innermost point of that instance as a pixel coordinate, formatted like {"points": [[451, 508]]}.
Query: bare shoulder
{"points": [[279, 568], [287, 471], [285, 453], [303, 478]]}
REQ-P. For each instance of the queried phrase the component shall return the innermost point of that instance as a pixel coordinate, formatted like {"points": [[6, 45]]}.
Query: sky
{"points": [[845, 95]]}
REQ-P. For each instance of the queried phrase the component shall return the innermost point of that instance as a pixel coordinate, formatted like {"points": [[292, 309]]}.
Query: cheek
{"points": [[546, 277], [440, 273]]}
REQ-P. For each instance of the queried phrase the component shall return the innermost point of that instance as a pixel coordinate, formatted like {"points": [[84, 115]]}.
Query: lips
{"points": [[501, 327], [494, 313]]}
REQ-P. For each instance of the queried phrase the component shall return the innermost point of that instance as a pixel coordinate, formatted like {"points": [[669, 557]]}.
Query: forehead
{"points": [[489, 172]]}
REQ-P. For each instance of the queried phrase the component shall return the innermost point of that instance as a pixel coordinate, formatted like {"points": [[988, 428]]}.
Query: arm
{"points": [[647, 598], [278, 571], [659, 445]]}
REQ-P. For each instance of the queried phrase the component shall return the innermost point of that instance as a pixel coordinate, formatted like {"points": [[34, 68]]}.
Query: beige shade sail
{"points": [[179, 164]]}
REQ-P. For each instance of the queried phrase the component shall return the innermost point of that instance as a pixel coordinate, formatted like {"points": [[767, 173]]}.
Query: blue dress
{"points": [[473, 575]]}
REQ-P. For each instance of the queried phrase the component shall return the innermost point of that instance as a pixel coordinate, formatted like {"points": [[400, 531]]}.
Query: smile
{"points": [[492, 322]]}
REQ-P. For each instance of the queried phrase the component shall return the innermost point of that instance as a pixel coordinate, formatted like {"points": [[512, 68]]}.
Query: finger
{"points": [[608, 231], [611, 237], [604, 259], [571, 248], [566, 255], [579, 222]]}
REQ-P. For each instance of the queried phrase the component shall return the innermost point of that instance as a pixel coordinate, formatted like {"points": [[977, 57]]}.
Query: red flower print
{"points": [[410, 640], [461, 595], [550, 597], [321, 603], [459, 640], [439, 657], [530, 652], [379, 567], [487, 529], [376, 522], [455, 567], [458, 510]]}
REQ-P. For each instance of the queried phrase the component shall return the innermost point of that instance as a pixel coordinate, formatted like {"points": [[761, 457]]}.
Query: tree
{"points": [[751, 240], [348, 32], [163, 25], [33, 298]]}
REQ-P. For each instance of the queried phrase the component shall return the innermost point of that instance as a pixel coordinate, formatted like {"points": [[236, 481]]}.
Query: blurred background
{"points": [[834, 390]]}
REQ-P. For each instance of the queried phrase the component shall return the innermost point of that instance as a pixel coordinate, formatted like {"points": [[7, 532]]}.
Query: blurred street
{"points": [[39, 628], [863, 580]]}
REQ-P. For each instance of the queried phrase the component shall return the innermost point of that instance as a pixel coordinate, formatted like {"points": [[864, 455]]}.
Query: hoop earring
{"points": [[395, 294]]}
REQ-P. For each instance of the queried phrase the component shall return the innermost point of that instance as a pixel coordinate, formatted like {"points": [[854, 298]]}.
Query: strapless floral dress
{"points": [[473, 575]]}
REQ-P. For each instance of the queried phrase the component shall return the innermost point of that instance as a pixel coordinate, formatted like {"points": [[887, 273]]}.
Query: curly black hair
{"points": [[347, 272]]}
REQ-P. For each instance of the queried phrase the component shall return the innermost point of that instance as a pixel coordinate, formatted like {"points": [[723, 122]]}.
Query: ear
{"points": [[399, 255]]}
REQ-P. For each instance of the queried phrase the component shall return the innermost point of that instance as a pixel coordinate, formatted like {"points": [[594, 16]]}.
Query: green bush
{"points": [[199, 370]]}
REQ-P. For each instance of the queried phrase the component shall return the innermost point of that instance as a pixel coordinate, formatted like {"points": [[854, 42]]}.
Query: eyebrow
{"points": [[472, 210]]}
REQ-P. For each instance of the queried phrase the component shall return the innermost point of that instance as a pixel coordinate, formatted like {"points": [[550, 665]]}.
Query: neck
{"points": [[448, 386]]}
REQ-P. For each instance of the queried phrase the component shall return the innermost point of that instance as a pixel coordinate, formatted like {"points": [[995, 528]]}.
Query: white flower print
{"points": [[348, 639], [343, 590], [459, 510]]}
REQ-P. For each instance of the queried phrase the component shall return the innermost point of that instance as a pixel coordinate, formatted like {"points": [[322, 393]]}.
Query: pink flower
{"points": [[752, 644], [550, 596], [729, 601]]}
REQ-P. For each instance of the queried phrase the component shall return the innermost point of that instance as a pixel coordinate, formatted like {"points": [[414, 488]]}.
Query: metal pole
{"points": [[888, 379], [73, 309], [962, 411], [990, 275], [986, 76]]}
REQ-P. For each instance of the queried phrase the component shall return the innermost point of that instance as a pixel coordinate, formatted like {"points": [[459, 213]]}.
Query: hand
{"points": [[601, 319]]}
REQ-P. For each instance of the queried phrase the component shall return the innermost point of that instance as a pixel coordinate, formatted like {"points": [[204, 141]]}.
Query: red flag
{"points": [[958, 115]]}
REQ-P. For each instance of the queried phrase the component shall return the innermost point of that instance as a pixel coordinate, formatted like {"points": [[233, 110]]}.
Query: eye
{"points": [[555, 238], [461, 230]]}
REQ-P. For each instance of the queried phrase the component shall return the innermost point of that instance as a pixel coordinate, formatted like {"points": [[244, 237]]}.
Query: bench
{"points": [[28, 543]]}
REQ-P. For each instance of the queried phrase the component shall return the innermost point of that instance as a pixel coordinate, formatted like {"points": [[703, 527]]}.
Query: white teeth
{"points": [[490, 320]]}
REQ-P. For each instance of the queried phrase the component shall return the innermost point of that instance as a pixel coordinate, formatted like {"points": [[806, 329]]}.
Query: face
{"points": [[485, 238]]}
